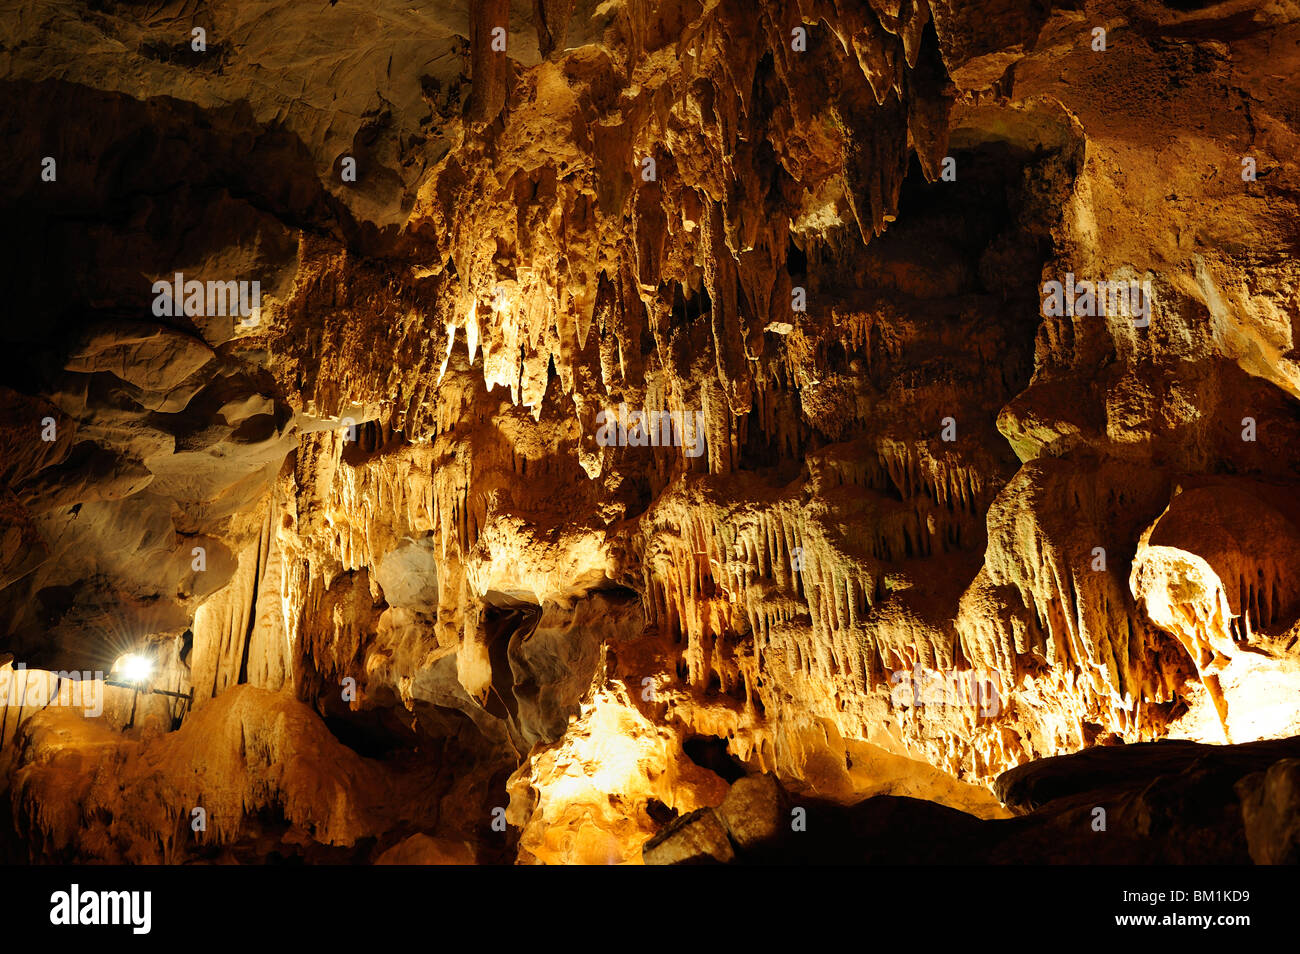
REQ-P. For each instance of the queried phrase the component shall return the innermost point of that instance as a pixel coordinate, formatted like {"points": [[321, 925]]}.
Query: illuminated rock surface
{"points": [[928, 529]]}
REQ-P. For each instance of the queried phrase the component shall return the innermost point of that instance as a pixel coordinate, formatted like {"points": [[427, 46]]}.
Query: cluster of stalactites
{"points": [[687, 189]]}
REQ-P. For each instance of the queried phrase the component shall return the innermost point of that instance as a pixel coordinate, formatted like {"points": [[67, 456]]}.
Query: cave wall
{"points": [[819, 230]]}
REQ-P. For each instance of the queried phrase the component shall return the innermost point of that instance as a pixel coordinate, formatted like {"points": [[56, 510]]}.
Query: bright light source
{"points": [[134, 668]]}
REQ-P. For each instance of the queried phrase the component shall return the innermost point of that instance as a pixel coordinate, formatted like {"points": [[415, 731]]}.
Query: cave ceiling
{"points": [[531, 431]]}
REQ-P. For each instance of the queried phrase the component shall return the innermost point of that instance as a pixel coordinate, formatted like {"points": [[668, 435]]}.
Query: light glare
{"points": [[135, 668]]}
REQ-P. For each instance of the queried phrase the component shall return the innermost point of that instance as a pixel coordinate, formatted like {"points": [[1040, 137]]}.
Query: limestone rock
{"points": [[654, 409], [1270, 805], [697, 838], [754, 811], [150, 357], [420, 849]]}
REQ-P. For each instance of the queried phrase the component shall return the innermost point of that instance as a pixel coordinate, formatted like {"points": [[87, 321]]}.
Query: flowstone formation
{"points": [[579, 431]]}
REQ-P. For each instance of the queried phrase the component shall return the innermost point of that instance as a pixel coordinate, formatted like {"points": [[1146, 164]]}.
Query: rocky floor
{"points": [[1153, 803]]}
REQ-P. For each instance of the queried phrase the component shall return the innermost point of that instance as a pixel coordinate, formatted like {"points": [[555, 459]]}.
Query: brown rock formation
{"points": [[642, 399]]}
